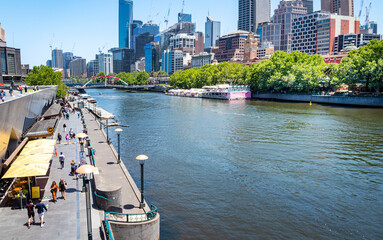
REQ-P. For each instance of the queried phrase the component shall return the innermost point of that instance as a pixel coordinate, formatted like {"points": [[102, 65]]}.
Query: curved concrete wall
{"points": [[112, 192], [339, 100], [18, 114], [137, 231]]}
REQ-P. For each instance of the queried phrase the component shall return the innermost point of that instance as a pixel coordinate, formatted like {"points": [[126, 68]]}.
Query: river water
{"points": [[252, 169]]}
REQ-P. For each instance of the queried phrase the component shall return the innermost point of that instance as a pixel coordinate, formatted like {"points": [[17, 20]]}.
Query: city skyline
{"points": [[77, 28]]}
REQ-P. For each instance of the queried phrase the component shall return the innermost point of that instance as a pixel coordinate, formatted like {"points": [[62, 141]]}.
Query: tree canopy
{"points": [[43, 75], [292, 72]]}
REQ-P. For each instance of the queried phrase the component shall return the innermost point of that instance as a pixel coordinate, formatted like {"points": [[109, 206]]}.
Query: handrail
{"points": [[149, 216], [95, 193], [133, 217]]}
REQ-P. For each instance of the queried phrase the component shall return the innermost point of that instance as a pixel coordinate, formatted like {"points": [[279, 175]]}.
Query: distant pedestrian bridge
{"points": [[108, 82]]}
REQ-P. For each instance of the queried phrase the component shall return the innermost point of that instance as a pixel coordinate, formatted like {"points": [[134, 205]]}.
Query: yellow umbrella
{"points": [[38, 158], [40, 143], [27, 170]]}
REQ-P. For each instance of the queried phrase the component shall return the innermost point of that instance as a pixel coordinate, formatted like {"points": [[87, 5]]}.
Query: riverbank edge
{"points": [[376, 102]]}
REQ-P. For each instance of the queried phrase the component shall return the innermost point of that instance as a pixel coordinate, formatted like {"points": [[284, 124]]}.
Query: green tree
{"points": [[43, 75], [142, 78]]}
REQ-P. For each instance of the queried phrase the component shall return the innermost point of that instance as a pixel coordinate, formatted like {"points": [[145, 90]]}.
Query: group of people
{"points": [[62, 186], [40, 206], [19, 88]]}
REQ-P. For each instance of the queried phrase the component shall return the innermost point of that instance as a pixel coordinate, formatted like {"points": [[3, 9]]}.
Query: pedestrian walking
{"points": [[2, 95], [21, 89], [40, 210], [72, 168], [64, 126], [37, 88], [34, 88], [67, 115], [59, 138], [62, 187], [25, 88], [67, 138], [78, 114], [31, 213], [75, 172], [54, 189], [11, 91], [62, 159]]}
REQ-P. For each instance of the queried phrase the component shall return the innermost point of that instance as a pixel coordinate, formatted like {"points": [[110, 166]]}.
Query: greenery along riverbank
{"points": [[295, 72]]}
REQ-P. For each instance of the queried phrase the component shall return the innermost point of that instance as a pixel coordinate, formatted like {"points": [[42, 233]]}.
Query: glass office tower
{"points": [[125, 19]]}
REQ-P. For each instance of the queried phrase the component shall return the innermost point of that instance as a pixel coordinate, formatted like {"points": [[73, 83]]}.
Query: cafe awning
{"points": [[33, 161]]}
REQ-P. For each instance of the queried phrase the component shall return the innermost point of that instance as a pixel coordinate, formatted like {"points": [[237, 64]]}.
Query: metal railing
{"points": [[128, 218]]}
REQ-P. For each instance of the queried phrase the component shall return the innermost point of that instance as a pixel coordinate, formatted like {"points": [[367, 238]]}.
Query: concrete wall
{"points": [[338, 100], [137, 231], [19, 113]]}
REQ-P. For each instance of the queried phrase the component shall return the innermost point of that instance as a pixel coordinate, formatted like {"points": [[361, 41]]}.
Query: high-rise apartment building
{"points": [[92, 68], [125, 20], [78, 67], [57, 58], [123, 60], [152, 57], [316, 32], [10, 64], [309, 5], [67, 58], [251, 13], [184, 42], [279, 32], [231, 46], [353, 40], [143, 35], [212, 32], [171, 61], [199, 43], [340, 7], [105, 62]]}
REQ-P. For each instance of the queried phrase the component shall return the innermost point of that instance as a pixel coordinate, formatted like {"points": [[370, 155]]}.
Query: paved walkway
{"points": [[111, 173], [65, 219]]}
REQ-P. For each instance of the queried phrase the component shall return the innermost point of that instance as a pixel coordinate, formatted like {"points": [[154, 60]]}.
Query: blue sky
{"points": [[87, 25]]}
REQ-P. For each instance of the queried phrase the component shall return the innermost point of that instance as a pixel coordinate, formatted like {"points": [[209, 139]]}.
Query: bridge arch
{"points": [[105, 76]]}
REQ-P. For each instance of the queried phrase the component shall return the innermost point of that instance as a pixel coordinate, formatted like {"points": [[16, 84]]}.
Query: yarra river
{"points": [[254, 170]]}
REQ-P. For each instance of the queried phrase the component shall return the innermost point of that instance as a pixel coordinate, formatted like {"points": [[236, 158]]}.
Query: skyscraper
{"points": [[125, 19], [309, 5], [184, 17], [212, 32], [341, 7], [251, 13], [279, 32], [57, 58]]}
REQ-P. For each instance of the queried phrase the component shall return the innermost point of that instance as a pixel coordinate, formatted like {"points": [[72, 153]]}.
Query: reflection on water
{"points": [[254, 170]]}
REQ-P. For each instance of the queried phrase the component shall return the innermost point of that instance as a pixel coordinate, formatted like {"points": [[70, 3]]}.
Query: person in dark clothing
{"points": [[40, 210], [62, 187], [59, 138], [31, 213]]}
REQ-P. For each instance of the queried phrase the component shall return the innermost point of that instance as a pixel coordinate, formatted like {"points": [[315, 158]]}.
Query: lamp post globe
{"points": [[141, 159]]}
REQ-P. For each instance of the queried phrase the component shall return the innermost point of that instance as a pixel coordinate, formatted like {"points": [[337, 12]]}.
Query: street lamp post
{"points": [[86, 169], [118, 130], [141, 159], [81, 137]]}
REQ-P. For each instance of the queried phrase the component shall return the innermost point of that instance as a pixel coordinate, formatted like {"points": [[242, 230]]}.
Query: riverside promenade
{"points": [[65, 219], [115, 190]]}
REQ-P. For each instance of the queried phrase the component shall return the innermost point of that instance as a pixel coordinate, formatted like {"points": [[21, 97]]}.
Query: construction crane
{"points": [[167, 19], [368, 9], [74, 45], [182, 12], [102, 48], [361, 9]]}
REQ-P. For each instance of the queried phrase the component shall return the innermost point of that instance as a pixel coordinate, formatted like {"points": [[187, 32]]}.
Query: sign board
{"points": [[35, 192], [50, 129]]}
